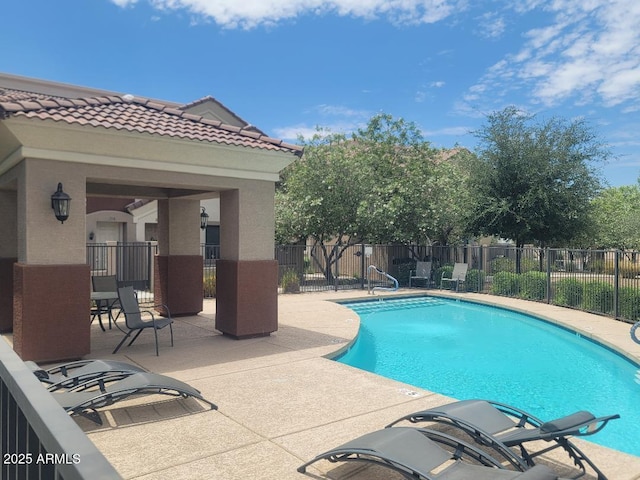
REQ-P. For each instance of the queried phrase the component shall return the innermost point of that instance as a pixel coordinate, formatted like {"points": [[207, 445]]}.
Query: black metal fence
{"points": [[131, 263], [38, 439], [599, 281]]}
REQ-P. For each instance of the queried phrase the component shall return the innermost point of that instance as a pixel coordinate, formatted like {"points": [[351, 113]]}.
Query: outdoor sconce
{"points": [[60, 202], [204, 218], [91, 236]]}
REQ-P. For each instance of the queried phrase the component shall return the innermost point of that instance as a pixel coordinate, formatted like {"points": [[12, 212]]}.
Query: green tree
{"points": [[319, 197], [534, 182], [410, 191], [384, 183], [616, 217]]}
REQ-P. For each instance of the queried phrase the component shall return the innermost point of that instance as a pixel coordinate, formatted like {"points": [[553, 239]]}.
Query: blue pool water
{"points": [[466, 350]]}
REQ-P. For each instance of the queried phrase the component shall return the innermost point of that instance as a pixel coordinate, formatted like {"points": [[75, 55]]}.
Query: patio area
{"points": [[280, 400]]}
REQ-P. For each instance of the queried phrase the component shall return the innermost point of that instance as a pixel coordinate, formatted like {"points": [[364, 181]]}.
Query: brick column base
{"points": [[178, 283], [6, 294], [247, 297], [51, 312]]}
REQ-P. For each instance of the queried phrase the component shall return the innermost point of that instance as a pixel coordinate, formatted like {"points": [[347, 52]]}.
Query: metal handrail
{"points": [[370, 290]]}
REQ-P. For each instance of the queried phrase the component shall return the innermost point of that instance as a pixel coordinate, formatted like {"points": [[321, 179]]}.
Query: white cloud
{"points": [[330, 118], [339, 110], [249, 14], [293, 132], [448, 131], [588, 52], [491, 25]]}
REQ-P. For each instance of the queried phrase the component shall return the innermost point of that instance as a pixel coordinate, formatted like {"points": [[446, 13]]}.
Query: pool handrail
{"points": [[371, 291]]}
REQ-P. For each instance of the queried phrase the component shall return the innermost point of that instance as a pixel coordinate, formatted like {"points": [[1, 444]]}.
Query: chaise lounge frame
{"points": [[416, 453], [501, 426], [85, 398]]}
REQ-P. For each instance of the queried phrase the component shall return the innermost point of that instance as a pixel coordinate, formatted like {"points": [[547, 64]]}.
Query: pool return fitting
{"points": [[371, 291], [634, 335]]}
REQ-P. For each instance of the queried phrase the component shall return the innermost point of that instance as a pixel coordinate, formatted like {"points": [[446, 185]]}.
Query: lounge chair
{"points": [[69, 375], [134, 320], [87, 397], [457, 276], [507, 426], [422, 272], [416, 453]]}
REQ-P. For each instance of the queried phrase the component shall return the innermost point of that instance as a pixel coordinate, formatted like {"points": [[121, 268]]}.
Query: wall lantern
{"points": [[60, 202], [204, 219]]}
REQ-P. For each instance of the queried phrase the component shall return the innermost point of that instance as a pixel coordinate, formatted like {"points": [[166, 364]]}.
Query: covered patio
{"points": [[101, 144]]}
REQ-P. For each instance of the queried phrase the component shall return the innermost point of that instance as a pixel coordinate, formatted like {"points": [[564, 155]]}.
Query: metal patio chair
{"points": [[135, 321]]}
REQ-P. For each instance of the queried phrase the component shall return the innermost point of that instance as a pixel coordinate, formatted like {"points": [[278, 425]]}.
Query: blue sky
{"points": [[288, 66]]}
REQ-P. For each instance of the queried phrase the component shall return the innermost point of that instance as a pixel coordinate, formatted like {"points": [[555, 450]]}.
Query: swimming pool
{"points": [[467, 350]]}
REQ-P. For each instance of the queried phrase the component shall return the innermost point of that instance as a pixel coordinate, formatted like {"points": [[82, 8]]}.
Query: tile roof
{"points": [[134, 114]]}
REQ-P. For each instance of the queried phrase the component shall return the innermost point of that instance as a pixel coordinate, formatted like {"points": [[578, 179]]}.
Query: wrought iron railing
{"points": [[132, 264], [601, 281], [39, 440]]}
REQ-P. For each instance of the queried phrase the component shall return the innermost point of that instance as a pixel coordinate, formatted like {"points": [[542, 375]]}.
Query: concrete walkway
{"points": [[280, 400]]}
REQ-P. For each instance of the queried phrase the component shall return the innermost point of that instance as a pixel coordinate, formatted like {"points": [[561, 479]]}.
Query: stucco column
{"points": [[51, 283], [247, 274], [8, 256], [178, 265]]}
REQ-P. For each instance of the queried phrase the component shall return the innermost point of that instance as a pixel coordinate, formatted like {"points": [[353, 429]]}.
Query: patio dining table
{"points": [[104, 302]]}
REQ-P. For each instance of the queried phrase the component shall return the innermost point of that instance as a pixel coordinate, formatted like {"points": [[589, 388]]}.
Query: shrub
{"points": [[598, 297], [529, 265], [474, 278], [568, 292], [306, 265], [533, 285], [629, 303], [447, 270], [290, 283], [209, 284], [505, 283], [503, 264]]}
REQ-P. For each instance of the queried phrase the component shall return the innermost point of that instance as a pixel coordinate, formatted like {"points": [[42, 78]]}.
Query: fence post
{"points": [[616, 285], [362, 267], [337, 269], [480, 269], [548, 267]]}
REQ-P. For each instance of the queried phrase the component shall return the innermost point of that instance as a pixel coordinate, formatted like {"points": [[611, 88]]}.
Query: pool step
{"points": [[379, 305]]}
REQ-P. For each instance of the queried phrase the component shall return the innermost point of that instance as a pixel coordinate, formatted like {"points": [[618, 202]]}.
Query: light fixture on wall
{"points": [[60, 202], [204, 218], [91, 236]]}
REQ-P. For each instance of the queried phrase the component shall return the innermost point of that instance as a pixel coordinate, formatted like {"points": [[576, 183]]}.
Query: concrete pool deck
{"points": [[281, 401]]}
